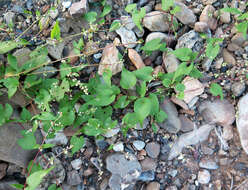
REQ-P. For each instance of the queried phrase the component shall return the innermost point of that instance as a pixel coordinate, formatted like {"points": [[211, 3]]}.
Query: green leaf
{"points": [[128, 79], [243, 16], [65, 70], [216, 90], [55, 33], [137, 17], [231, 10], [196, 73], [180, 87], [167, 4], [152, 45], [90, 16], [161, 116], [175, 10], [144, 73], [182, 70], [25, 115], [106, 10], [17, 186], [184, 54], [5, 113], [93, 128], [6, 46], [242, 27], [129, 8], [142, 107], [122, 102], [130, 119], [107, 74], [28, 142], [155, 104], [77, 143], [35, 179], [12, 61], [11, 84], [115, 25], [166, 82], [45, 116], [141, 89], [34, 63]]}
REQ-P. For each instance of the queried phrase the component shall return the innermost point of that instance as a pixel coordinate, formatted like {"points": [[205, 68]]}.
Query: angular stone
{"points": [[22, 55], [148, 164], [10, 151], [238, 39], [55, 51], [153, 149], [128, 37], [80, 7], [185, 15], [110, 60], [201, 27], [17, 100], [228, 57], [153, 186], [170, 62], [207, 16], [204, 177], [135, 58], [187, 124], [164, 37]]}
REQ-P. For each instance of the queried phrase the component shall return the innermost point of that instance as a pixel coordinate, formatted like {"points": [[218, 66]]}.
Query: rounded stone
{"points": [[153, 149], [204, 177]]}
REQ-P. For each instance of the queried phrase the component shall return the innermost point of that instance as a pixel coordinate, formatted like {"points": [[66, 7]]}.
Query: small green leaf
{"points": [[12, 61], [28, 142], [6, 46], [231, 10], [25, 115], [141, 89], [122, 102], [184, 54], [242, 27], [55, 33], [106, 10], [196, 73], [166, 82], [17, 186], [152, 45], [45, 116], [128, 79], [115, 25], [167, 4], [142, 107], [90, 16], [129, 8], [77, 143], [179, 87], [93, 128], [155, 104], [161, 116], [11, 84], [35, 179], [243, 16], [216, 90], [144, 73]]}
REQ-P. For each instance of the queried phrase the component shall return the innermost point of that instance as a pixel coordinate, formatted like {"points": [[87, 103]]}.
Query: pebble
{"points": [[147, 176], [242, 122], [76, 164], [204, 177], [225, 17], [3, 168], [55, 51], [73, 178], [170, 62], [208, 164], [59, 139], [135, 58], [127, 22], [201, 27], [238, 88], [88, 172], [172, 173], [153, 149], [66, 4], [238, 39], [157, 21], [148, 164], [187, 124], [153, 186], [185, 15], [228, 57], [139, 145], [128, 37], [80, 7], [164, 37], [112, 132], [218, 111], [46, 72], [207, 16], [118, 147], [22, 55], [110, 60]]}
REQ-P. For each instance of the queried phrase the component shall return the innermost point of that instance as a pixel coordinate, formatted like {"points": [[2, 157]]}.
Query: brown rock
{"points": [[3, 168], [201, 27], [73, 58], [80, 7], [187, 124], [233, 47], [135, 58], [153, 149], [238, 39], [158, 69], [225, 17], [148, 164], [193, 88], [170, 62], [207, 16], [110, 60], [153, 186], [208, 2], [185, 15], [228, 57]]}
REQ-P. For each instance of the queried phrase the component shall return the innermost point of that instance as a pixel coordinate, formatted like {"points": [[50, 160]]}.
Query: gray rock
{"points": [[118, 147], [125, 170], [147, 176], [128, 37], [76, 164], [170, 62], [17, 100], [45, 72], [148, 164], [10, 151], [242, 122], [172, 124], [73, 178], [22, 55], [153, 149], [191, 40], [201, 27], [172, 173], [164, 37], [238, 88], [53, 13], [219, 111], [185, 15], [208, 164], [127, 22], [190, 138], [9, 17], [57, 175], [6, 184], [187, 124], [55, 51], [80, 7], [112, 132], [157, 21], [144, 126], [204, 177], [59, 139], [139, 145], [153, 186]]}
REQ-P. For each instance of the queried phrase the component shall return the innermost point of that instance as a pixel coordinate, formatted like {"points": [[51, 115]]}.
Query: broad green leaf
{"points": [[45, 116], [8, 111], [90, 16], [144, 73], [184, 54], [142, 107], [107, 74], [130, 119], [5, 113], [77, 143], [180, 87], [196, 73], [7, 46], [102, 100], [216, 90], [122, 102], [155, 104], [93, 128], [167, 4], [115, 25], [31, 80], [35, 179], [182, 70], [11, 84], [28, 142], [55, 33], [152, 45], [34, 63], [129, 8], [25, 115], [231, 10], [175, 10], [65, 70], [243, 16], [161, 116], [128, 79], [106, 10], [141, 89], [12, 61], [166, 82], [137, 17]]}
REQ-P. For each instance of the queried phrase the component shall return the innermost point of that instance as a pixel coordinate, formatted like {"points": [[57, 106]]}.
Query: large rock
{"points": [[157, 21], [10, 151], [128, 37], [125, 170], [170, 62], [172, 124], [207, 16], [162, 36], [55, 51], [110, 60], [242, 122], [185, 15]]}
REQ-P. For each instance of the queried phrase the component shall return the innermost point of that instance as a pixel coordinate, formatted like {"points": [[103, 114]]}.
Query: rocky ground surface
{"points": [[202, 145]]}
